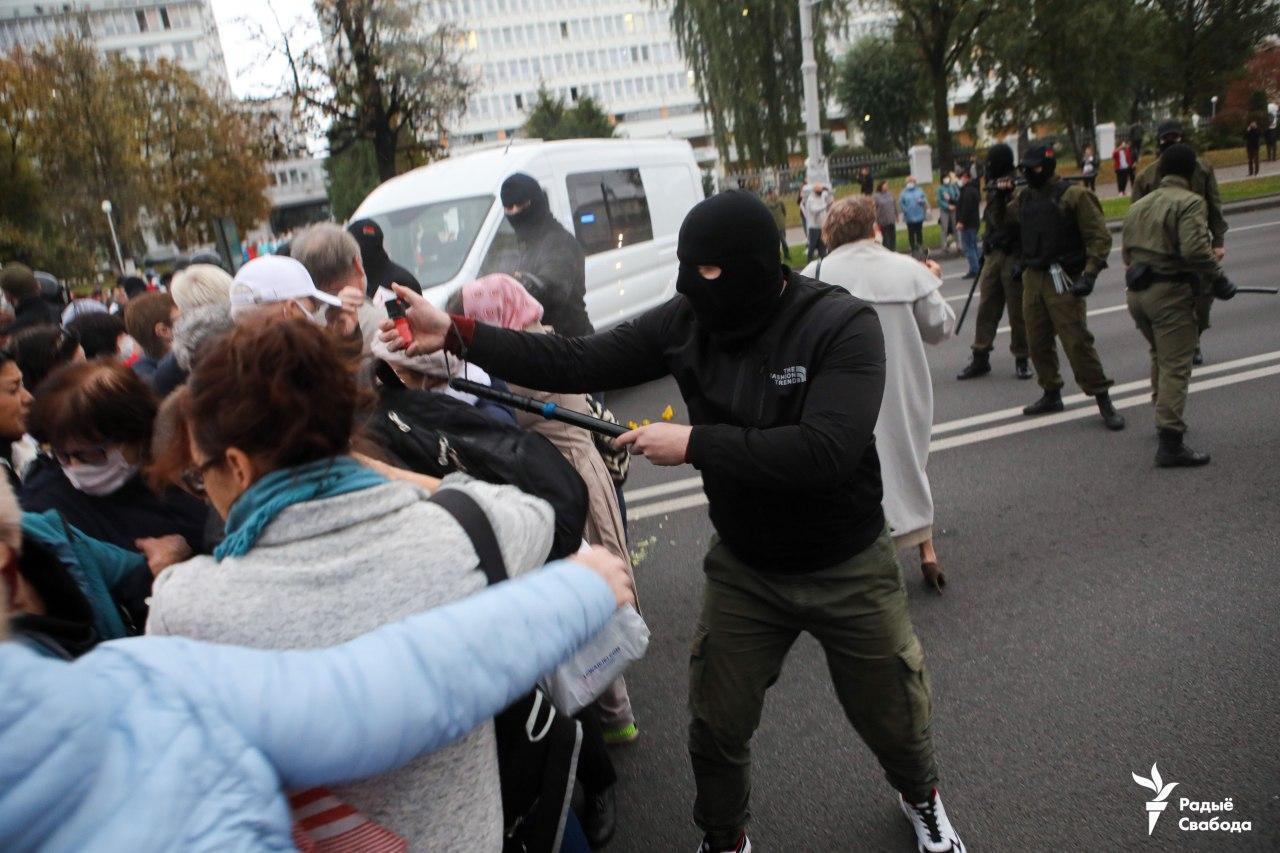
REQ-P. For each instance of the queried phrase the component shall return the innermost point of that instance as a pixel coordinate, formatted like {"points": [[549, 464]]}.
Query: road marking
{"points": [[1086, 412], [1139, 385], [1094, 313], [648, 510]]}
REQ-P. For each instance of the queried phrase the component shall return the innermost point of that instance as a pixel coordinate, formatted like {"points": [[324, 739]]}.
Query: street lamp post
{"points": [[816, 164], [1213, 107], [106, 208]]}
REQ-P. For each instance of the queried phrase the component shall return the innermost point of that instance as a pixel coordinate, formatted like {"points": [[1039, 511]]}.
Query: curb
{"points": [[1265, 202]]}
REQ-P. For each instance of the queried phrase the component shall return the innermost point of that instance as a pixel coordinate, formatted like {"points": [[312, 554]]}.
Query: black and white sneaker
{"points": [[743, 846], [934, 833]]}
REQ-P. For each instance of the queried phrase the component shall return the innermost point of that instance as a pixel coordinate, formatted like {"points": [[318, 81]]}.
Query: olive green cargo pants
{"points": [[1048, 313], [1166, 315], [857, 610], [998, 289]]}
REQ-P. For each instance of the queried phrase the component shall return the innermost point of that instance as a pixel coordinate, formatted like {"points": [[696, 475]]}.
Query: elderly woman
{"points": [[500, 300], [912, 313], [202, 294]]}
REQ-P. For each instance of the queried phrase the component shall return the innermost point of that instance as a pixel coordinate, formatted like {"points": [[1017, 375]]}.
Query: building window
{"points": [[610, 210], [142, 20], [164, 18], [573, 93], [519, 102], [564, 29]]}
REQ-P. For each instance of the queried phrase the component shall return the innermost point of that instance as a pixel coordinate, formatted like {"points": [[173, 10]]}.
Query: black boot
{"points": [[600, 817], [979, 366], [1022, 369], [1198, 358], [1174, 454], [1051, 401], [1113, 419]]}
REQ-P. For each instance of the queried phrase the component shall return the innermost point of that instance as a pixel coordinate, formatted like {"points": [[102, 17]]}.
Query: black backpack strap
{"points": [[475, 524], [817, 272]]}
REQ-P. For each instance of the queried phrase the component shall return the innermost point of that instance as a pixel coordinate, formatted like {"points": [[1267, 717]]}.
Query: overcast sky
{"points": [[251, 73]]}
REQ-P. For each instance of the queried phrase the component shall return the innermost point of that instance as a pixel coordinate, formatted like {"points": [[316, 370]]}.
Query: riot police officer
{"points": [[1171, 267], [1001, 281], [1064, 245], [1203, 184]]}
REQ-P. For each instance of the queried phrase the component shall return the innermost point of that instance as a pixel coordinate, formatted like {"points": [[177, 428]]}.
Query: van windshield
{"points": [[433, 241]]}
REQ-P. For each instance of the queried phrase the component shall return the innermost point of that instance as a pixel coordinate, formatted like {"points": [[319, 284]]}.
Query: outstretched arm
{"points": [[373, 704]]}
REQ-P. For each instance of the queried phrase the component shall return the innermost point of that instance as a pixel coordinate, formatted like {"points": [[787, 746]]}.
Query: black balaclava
{"points": [[1039, 155], [735, 232], [1178, 159], [1171, 128], [518, 189], [999, 161]]}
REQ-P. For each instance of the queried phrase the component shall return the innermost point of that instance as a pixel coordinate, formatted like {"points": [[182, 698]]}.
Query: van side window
{"points": [[609, 208], [504, 251]]}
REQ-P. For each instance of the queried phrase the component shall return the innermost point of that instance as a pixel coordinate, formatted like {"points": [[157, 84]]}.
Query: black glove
{"points": [[1223, 288], [1083, 285]]}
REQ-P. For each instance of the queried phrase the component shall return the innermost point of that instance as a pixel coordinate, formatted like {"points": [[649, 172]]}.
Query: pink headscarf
{"points": [[500, 300]]}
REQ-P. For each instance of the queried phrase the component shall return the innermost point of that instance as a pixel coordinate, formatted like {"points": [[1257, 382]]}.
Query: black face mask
{"points": [[1038, 179], [520, 188], [737, 304]]}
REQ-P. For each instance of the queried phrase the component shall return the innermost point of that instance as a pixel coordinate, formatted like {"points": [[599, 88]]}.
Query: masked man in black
{"points": [[783, 378], [552, 265]]}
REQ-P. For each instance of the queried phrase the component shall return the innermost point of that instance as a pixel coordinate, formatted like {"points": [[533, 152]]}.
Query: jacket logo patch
{"points": [[791, 375]]}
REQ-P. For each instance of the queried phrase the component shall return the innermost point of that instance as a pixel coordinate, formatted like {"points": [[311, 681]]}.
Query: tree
{"points": [[353, 174], [81, 128], [943, 33], [880, 78], [1206, 42], [382, 75], [550, 118], [745, 59]]}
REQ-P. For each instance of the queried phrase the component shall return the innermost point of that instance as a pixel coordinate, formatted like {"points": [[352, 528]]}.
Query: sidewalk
{"points": [[1225, 175]]}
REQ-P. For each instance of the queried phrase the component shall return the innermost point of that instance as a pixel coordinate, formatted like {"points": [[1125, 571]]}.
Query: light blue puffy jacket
{"points": [[914, 203], [161, 743]]}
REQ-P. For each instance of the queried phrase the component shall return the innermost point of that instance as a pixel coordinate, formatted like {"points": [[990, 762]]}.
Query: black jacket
{"points": [[131, 512], [31, 312], [552, 267], [968, 210], [783, 427]]}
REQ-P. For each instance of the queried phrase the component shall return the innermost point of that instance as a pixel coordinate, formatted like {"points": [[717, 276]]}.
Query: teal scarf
{"points": [[263, 501]]}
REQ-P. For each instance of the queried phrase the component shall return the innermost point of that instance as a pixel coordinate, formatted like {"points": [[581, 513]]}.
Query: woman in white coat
{"points": [[912, 313]]}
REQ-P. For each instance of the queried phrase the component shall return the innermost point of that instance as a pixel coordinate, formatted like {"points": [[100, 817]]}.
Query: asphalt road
{"points": [[1101, 616]]}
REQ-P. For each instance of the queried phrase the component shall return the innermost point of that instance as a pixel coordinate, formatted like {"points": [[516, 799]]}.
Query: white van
{"points": [[623, 199]]}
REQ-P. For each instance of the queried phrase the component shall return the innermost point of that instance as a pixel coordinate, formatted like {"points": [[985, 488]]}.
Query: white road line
{"points": [[1139, 385], [1086, 412], [642, 511], [1111, 309]]}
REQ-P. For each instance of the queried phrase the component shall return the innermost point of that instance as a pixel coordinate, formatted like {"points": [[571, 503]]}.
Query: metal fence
{"points": [[842, 169]]}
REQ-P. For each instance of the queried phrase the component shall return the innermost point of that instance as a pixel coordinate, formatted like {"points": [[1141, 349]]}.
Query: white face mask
{"points": [[103, 478]]}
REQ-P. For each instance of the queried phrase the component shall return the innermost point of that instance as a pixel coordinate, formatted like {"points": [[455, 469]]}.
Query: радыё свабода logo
{"points": [[1157, 805]]}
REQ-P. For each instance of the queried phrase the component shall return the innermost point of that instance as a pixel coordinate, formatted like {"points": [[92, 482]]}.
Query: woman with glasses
{"points": [[94, 422], [320, 548]]}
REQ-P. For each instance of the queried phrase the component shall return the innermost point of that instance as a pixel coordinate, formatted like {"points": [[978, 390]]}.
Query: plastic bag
{"points": [[577, 682]]}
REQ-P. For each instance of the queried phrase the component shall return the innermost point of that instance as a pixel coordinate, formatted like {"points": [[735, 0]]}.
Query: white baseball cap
{"points": [[275, 278]]}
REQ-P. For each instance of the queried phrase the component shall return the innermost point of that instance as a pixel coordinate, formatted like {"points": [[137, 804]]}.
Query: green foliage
{"points": [[1257, 102], [549, 118], [747, 70], [881, 78], [353, 174], [1204, 44]]}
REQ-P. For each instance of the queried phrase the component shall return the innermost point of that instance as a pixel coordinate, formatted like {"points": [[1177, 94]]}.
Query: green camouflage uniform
{"points": [[998, 287], [1168, 231], [1048, 313], [1205, 185]]}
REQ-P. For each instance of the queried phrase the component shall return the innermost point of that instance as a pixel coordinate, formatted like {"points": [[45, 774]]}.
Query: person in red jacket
{"points": [[1122, 158]]}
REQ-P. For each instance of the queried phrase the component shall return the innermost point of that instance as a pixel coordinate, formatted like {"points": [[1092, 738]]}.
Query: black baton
{"points": [[548, 410], [1271, 290]]}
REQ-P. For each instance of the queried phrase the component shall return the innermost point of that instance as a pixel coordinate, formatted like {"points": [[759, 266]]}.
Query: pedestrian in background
{"points": [[1252, 144], [968, 219], [816, 207], [19, 285], [1122, 160], [1136, 135], [887, 216], [947, 196], [1089, 168], [915, 207], [1271, 137], [912, 313], [865, 182], [149, 321]]}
